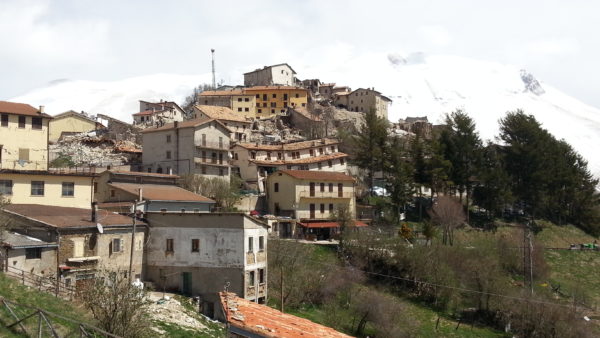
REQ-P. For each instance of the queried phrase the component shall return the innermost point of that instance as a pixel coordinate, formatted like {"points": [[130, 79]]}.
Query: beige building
{"points": [[239, 102], [27, 255], [84, 247], [280, 74], [275, 100], [53, 188], [257, 161], [311, 197], [200, 255], [365, 100], [71, 122], [23, 137], [240, 126], [199, 146]]}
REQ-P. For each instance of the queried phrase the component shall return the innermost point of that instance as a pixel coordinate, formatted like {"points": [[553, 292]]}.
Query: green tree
{"points": [[493, 191], [370, 145], [400, 176]]}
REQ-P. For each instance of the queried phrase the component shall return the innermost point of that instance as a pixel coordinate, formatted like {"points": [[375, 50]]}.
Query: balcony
{"points": [[212, 161], [213, 145], [326, 194]]}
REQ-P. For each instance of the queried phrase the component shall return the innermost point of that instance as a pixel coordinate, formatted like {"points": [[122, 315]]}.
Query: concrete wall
{"points": [[176, 206], [364, 100], [52, 190], [45, 266], [69, 124], [278, 75], [13, 138]]}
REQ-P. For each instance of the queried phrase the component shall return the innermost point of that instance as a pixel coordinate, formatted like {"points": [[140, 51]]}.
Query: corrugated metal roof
{"points": [[19, 241], [63, 217], [161, 192], [265, 321]]}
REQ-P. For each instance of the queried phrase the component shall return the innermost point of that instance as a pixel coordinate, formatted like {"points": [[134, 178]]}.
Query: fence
{"points": [[41, 283]]}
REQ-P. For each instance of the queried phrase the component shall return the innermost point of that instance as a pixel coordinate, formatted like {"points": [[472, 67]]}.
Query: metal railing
{"points": [[41, 283]]}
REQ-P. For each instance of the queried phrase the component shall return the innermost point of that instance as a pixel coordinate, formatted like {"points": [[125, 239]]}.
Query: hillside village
{"points": [[190, 198]]}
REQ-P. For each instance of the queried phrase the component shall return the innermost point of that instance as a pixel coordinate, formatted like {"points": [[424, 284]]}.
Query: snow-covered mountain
{"points": [[418, 85]]}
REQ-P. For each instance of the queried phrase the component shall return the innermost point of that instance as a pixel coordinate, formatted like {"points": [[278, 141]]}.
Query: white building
{"points": [[157, 114], [280, 74], [202, 254], [257, 161], [199, 146]]}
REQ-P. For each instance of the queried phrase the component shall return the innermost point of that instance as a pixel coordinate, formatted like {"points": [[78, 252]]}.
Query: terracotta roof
{"points": [[317, 175], [329, 224], [258, 88], [307, 160], [146, 112], [222, 92], [268, 322], [141, 173], [291, 146], [63, 217], [20, 109], [160, 192], [221, 113], [115, 205], [185, 124]]}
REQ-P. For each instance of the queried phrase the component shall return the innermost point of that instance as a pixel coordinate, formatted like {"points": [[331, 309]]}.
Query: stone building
{"points": [[280, 74], [199, 146], [71, 122], [23, 136], [157, 114], [200, 255], [240, 126], [20, 253], [88, 241], [237, 100], [257, 161], [365, 100]]}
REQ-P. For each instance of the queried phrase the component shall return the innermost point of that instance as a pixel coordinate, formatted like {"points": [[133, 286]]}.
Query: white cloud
{"points": [[436, 35], [36, 40], [554, 47]]}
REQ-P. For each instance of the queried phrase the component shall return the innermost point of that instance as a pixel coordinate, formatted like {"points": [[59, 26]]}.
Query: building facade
{"points": [[365, 100], [240, 126], [237, 100], [23, 137], [69, 123], [200, 255], [280, 74], [275, 100], [199, 146], [157, 114], [257, 161]]}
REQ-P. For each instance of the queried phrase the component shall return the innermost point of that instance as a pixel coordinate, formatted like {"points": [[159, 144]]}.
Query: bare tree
{"points": [[119, 307], [226, 194], [447, 213]]}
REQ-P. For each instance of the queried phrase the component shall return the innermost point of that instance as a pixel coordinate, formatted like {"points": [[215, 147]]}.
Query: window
{"points": [[221, 172], [273, 104], [322, 208], [168, 154], [330, 163], [303, 104], [33, 253], [4, 120], [239, 108], [95, 187], [333, 149], [21, 121], [117, 245], [195, 245], [274, 96], [68, 188], [285, 97], [261, 276], [258, 96], [23, 154], [297, 96], [312, 152], [330, 187], [37, 188], [276, 187], [319, 165], [168, 138], [320, 151], [279, 156], [340, 190], [169, 245], [251, 278], [246, 109], [78, 247], [261, 243], [259, 111], [239, 99], [6, 187], [322, 186], [330, 208], [268, 155], [112, 193], [264, 97], [272, 111], [203, 170], [246, 99], [36, 123], [250, 244], [341, 161]]}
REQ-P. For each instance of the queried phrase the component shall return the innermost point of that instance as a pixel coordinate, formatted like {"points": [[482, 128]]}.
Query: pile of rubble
{"points": [[273, 130], [171, 311], [94, 150]]}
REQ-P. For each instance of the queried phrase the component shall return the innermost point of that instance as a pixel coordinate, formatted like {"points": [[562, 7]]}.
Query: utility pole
{"points": [[214, 82], [132, 242], [281, 277]]}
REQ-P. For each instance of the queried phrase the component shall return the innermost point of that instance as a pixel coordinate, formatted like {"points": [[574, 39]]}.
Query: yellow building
{"points": [[275, 100], [240, 103], [23, 137], [62, 189], [71, 122]]}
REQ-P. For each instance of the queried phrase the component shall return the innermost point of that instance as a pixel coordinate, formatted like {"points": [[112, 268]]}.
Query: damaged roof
{"points": [[221, 113], [65, 217], [185, 124], [161, 192], [265, 321]]}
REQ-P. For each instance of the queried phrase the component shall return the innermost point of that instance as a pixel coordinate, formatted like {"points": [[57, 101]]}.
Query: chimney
{"points": [[42, 109], [94, 211], [140, 194]]}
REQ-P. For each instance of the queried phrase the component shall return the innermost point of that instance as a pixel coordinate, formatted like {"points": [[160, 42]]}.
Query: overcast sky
{"points": [[42, 41]]}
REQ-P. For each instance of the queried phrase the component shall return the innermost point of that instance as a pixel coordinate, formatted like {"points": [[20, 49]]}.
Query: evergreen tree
{"points": [[399, 172], [370, 145], [493, 191]]}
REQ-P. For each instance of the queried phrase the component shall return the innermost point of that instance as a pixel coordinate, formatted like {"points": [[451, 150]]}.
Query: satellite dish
{"points": [[100, 228]]}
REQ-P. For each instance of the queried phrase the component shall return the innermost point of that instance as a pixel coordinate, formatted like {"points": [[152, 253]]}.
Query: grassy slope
{"points": [[12, 290]]}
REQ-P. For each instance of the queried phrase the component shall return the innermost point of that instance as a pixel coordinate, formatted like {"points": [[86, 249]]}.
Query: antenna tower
{"points": [[214, 83]]}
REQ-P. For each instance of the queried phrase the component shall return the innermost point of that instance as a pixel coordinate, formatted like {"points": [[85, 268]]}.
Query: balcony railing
{"points": [[212, 161], [214, 145], [326, 194]]}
